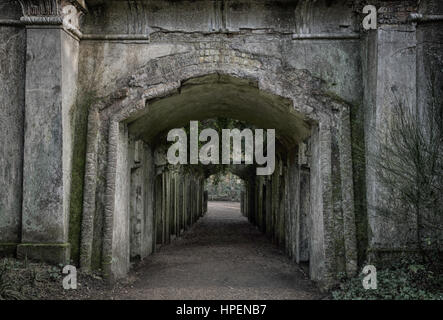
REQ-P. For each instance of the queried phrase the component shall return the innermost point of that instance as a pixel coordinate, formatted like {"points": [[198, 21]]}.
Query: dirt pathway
{"points": [[221, 257]]}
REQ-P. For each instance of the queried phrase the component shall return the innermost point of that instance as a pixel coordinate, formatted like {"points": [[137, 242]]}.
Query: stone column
{"points": [[12, 92], [321, 254], [50, 91], [304, 208], [389, 78], [430, 93], [294, 203]]}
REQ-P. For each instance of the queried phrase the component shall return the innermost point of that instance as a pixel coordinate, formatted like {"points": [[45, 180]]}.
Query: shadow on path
{"points": [[222, 256]]}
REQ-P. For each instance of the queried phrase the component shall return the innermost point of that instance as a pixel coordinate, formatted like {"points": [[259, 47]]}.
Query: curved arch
{"points": [[300, 96], [164, 76], [219, 95]]}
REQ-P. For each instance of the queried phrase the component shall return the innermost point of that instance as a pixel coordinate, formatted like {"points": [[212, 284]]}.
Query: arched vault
{"points": [[170, 91]]}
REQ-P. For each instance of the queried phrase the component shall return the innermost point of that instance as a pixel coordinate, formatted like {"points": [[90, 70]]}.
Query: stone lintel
{"points": [[50, 253]]}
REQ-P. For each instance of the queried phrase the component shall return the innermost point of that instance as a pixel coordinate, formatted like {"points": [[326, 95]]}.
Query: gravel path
{"points": [[222, 256]]}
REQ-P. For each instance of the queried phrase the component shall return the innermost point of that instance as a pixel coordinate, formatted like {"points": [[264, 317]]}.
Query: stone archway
{"points": [[331, 187]]}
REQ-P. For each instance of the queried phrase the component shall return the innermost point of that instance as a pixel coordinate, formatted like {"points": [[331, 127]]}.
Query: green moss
{"points": [[80, 126], [53, 253]]}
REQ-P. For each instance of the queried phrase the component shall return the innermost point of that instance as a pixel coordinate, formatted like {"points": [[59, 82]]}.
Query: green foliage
{"points": [[224, 187], [55, 273], [407, 280], [408, 163]]}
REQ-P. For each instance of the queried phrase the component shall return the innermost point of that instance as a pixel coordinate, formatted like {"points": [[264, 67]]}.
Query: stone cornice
{"points": [[42, 20], [11, 22]]}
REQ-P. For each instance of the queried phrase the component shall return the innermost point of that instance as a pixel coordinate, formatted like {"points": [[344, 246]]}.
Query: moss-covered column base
{"points": [[8, 249], [51, 253]]}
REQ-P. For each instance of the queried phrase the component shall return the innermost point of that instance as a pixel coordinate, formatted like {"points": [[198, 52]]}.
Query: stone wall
{"points": [[311, 58], [394, 62], [12, 108]]}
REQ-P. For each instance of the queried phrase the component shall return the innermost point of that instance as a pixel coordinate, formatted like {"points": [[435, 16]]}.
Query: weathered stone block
{"points": [[50, 253]]}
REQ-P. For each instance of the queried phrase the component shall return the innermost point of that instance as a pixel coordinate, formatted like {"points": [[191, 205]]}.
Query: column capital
{"points": [[48, 8], [53, 12], [40, 8]]}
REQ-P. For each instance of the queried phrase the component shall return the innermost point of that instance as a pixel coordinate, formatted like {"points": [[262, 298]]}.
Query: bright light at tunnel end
{"points": [[209, 153]]}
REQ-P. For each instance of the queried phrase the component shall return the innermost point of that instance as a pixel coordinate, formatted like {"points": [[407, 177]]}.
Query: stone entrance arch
{"points": [[53, 64], [331, 214]]}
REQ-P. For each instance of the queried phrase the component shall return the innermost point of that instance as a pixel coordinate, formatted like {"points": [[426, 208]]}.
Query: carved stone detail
{"points": [[54, 12], [40, 7]]}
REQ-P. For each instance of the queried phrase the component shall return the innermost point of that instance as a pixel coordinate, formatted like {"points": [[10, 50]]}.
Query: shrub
{"points": [[406, 280]]}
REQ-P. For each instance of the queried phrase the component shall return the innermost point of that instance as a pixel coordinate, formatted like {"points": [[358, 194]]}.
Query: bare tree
{"points": [[409, 165]]}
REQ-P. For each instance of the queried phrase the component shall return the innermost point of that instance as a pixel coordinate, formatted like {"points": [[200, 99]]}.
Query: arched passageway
{"points": [[305, 206]]}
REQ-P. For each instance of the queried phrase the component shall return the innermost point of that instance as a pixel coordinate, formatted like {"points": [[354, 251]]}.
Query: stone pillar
{"points": [[50, 92], [303, 205], [181, 203], [137, 198], [242, 202], [389, 78], [158, 209], [304, 211], [205, 202], [12, 99], [148, 238], [294, 204], [321, 253]]}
